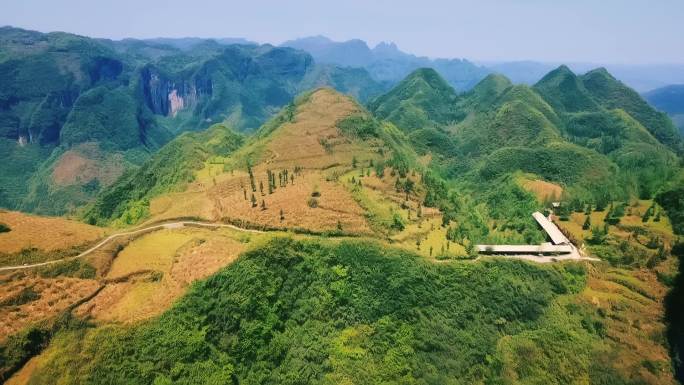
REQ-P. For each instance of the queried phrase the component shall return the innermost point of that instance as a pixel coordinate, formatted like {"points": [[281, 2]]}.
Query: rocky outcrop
{"points": [[166, 96]]}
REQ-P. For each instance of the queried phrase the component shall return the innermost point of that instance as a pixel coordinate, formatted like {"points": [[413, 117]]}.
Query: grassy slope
{"points": [[127, 201]]}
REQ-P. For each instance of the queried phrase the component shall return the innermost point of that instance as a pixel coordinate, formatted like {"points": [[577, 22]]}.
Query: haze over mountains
{"points": [[386, 62], [669, 99]]}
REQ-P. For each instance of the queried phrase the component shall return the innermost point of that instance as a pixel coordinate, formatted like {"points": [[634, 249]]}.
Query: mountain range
{"points": [[386, 62], [327, 214]]}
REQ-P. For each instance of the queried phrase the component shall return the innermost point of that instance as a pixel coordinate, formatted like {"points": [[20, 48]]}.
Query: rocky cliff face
{"points": [[166, 96]]}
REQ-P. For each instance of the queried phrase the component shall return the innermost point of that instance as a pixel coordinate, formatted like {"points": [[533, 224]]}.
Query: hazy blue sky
{"points": [[608, 31]]}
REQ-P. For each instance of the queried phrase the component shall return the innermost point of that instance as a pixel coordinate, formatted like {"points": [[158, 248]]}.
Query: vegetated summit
{"points": [[343, 245]]}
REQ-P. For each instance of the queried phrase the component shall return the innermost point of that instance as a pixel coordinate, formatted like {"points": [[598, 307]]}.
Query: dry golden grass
{"points": [[299, 143], [55, 295], [433, 242], [156, 269], [23, 376], [541, 189], [632, 218], [334, 204], [154, 251], [632, 303], [44, 233]]}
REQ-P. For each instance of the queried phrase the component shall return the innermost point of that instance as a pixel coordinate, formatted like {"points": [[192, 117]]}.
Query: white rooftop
{"points": [[557, 237]]}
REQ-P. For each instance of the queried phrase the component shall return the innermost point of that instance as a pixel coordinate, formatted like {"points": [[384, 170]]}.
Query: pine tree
{"points": [[270, 181], [292, 179], [282, 215], [420, 211], [587, 223], [254, 201], [354, 162], [263, 204], [244, 191], [251, 177], [261, 187], [339, 226]]}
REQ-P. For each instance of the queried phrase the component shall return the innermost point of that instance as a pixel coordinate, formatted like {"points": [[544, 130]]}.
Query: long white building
{"points": [[560, 243]]}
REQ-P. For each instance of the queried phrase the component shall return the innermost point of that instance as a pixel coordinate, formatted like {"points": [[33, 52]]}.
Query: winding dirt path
{"points": [[171, 225]]}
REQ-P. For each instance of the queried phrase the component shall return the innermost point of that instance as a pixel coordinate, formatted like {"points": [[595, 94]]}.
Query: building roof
{"points": [[557, 237], [544, 248]]}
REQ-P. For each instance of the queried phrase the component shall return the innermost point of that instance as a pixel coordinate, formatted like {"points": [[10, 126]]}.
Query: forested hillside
{"points": [[589, 133]]}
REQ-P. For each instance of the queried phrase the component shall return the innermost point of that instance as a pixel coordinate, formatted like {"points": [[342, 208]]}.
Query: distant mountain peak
{"points": [[494, 80], [422, 90], [384, 46], [602, 72], [560, 72]]}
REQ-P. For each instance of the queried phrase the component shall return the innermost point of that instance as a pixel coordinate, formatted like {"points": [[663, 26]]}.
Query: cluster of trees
{"points": [[284, 178]]}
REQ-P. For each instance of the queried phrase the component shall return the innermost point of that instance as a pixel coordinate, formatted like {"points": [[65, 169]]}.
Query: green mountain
{"points": [[669, 99], [76, 113], [589, 133], [613, 94], [424, 99]]}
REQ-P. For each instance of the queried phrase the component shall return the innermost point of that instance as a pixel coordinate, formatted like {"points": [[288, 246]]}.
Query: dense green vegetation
{"points": [[612, 94], [566, 129], [421, 100], [20, 347], [674, 305], [673, 203], [306, 312]]}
